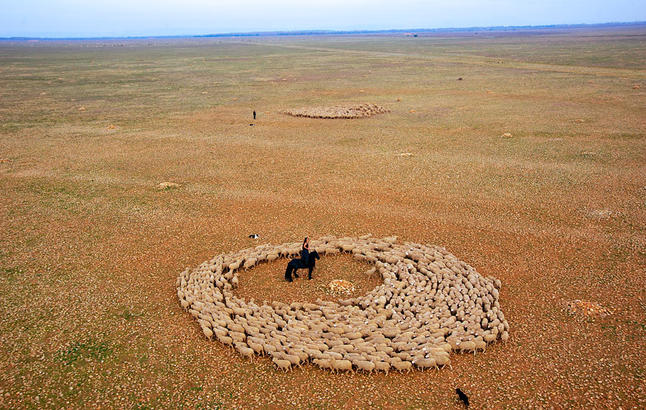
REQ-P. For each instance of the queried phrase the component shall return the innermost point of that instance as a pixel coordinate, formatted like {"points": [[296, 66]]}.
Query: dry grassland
{"points": [[91, 246]]}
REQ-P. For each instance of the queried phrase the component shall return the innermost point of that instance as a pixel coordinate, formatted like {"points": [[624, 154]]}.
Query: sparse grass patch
{"points": [[88, 350], [128, 315], [10, 273]]}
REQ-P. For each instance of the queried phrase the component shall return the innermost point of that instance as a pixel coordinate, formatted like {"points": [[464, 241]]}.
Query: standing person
{"points": [[254, 114]]}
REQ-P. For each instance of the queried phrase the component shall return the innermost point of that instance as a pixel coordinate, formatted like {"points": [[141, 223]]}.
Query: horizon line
{"points": [[297, 32]]}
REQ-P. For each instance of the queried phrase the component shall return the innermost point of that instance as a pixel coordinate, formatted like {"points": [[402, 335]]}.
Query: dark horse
{"points": [[296, 264]]}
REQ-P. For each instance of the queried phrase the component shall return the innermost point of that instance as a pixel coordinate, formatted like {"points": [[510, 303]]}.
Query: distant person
{"points": [[305, 252], [254, 114]]}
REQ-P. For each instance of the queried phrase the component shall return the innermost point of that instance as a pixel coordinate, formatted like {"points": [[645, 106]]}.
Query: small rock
{"points": [[582, 307], [341, 286], [167, 185], [507, 135], [601, 214]]}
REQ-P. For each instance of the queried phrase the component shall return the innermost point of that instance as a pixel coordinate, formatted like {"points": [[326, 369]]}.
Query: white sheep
{"points": [[341, 365], [282, 364]]}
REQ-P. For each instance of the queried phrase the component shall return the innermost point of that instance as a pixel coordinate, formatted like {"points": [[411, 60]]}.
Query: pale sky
{"points": [[104, 18]]}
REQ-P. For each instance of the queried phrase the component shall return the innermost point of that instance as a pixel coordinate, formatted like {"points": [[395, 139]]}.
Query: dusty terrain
{"points": [[91, 249]]}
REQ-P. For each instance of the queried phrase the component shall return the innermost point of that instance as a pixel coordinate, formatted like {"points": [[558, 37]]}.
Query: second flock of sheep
{"points": [[338, 111], [430, 304]]}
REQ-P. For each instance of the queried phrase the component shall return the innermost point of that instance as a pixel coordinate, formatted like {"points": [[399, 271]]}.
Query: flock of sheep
{"points": [[338, 111], [430, 303]]}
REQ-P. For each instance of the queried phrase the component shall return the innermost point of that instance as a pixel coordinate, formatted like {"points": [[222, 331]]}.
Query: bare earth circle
{"points": [[266, 281], [430, 303]]}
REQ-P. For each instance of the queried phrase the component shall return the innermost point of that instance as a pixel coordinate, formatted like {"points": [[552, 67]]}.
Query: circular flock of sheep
{"points": [[338, 111], [430, 303]]}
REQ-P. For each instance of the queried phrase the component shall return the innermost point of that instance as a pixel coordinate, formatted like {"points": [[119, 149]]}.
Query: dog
{"points": [[462, 397], [296, 264]]}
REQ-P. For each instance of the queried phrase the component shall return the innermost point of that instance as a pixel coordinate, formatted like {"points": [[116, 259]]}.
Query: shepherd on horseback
{"points": [[307, 260]]}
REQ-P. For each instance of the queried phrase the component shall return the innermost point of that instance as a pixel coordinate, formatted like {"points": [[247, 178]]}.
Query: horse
{"points": [[295, 264]]}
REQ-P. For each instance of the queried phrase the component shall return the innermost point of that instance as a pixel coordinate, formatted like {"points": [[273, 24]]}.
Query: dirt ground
{"points": [[91, 249]]}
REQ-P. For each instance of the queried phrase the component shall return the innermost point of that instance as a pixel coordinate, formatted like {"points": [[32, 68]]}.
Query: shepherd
{"points": [[254, 114], [307, 260]]}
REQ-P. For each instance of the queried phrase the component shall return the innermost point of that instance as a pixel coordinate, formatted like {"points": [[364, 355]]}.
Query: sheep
{"points": [[207, 332], [425, 363], [365, 366], [442, 360], [382, 366], [245, 351], [249, 263], [269, 348], [390, 332], [323, 363], [257, 347], [334, 355], [282, 364], [293, 359], [402, 366], [225, 340], [238, 336], [480, 344], [468, 346], [301, 354], [234, 327], [341, 365]]}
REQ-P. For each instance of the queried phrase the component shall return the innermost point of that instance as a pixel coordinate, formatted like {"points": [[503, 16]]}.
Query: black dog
{"points": [[296, 264], [463, 397]]}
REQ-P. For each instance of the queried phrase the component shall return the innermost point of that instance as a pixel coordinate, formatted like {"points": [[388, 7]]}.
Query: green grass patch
{"points": [[84, 351], [11, 273], [128, 315]]}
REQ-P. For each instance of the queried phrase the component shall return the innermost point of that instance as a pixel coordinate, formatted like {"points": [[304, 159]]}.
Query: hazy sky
{"points": [[84, 18]]}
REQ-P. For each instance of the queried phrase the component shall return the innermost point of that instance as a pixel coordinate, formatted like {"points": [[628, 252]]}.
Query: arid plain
{"points": [[90, 248]]}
